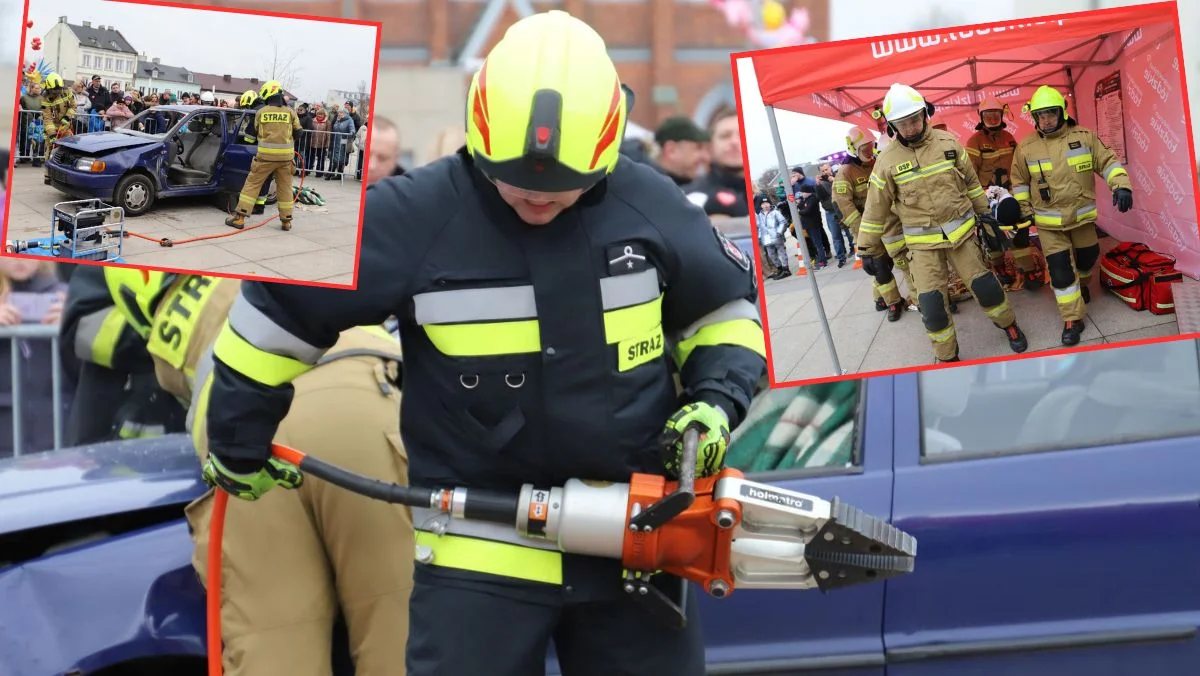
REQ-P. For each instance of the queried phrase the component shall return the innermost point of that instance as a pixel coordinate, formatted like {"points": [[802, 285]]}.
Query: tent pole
{"points": [[785, 172]]}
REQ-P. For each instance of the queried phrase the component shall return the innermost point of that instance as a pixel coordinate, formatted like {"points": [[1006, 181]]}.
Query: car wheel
{"points": [[272, 195], [135, 194]]}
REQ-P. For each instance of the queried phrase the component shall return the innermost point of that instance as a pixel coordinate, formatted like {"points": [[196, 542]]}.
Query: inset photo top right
{"points": [[973, 193]]}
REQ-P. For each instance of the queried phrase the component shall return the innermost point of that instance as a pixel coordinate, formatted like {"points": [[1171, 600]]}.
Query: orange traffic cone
{"points": [[803, 268], [857, 262]]}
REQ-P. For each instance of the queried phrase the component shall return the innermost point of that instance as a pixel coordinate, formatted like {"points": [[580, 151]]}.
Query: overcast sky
{"points": [[807, 137], [327, 55]]}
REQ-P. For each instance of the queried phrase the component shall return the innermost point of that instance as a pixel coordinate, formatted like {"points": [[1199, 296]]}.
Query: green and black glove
{"points": [[253, 485], [713, 426]]}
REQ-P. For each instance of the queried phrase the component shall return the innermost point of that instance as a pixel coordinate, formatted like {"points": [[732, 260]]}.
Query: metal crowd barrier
{"points": [[323, 151], [34, 332]]}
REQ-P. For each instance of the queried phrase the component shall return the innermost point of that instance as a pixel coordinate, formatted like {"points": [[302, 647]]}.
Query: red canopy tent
{"points": [[1077, 54]]}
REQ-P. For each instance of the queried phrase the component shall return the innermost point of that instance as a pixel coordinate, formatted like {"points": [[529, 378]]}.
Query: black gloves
{"points": [[1123, 199]]}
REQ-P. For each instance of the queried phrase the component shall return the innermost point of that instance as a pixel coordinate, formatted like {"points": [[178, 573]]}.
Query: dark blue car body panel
{"points": [[1077, 561], [126, 153]]}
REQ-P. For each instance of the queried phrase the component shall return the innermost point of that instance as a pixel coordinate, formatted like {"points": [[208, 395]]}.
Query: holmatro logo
{"points": [[774, 497]]}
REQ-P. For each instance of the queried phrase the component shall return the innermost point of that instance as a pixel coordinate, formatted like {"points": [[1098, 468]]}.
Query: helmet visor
{"points": [[533, 175], [991, 117], [910, 126]]}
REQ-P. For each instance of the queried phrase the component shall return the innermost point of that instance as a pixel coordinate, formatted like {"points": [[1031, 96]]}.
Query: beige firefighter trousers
{"points": [[260, 171], [1070, 300], [931, 271], [294, 557]]}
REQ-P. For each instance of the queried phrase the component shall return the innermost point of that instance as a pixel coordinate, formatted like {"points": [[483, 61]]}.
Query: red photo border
{"points": [[815, 48], [378, 26]]}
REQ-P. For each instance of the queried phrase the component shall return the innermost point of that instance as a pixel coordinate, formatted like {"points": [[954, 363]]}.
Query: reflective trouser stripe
{"points": [[489, 557], [1068, 295], [97, 335], [997, 311], [942, 336], [936, 234], [1053, 217]]}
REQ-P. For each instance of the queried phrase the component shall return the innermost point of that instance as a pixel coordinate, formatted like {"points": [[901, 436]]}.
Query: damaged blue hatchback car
{"points": [[163, 152]]}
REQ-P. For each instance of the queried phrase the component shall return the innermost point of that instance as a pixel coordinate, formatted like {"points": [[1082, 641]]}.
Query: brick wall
{"points": [[661, 43]]}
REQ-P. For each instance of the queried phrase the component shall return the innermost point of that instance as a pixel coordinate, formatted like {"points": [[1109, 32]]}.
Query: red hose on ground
{"points": [[213, 594]]}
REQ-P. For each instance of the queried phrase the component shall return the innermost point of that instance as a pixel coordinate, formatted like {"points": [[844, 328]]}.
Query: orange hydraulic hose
{"points": [[167, 242], [215, 536], [213, 595]]}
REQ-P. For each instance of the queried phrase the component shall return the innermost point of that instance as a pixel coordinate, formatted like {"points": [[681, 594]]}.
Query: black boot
{"points": [[948, 361], [1033, 282], [895, 310], [880, 306], [1072, 330], [1016, 338]]}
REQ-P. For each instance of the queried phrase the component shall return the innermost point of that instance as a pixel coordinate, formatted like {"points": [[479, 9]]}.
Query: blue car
{"points": [[163, 152], [1056, 501]]}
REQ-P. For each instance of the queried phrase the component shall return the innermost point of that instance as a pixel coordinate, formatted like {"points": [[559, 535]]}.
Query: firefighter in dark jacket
{"points": [[275, 126], [546, 350], [118, 393], [249, 101]]}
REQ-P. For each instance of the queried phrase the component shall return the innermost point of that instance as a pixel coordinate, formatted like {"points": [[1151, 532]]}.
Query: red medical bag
{"points": [[1140, 277]]}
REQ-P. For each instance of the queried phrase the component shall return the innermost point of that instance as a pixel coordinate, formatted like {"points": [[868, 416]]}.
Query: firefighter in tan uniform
{"points": [[274, 126], [925, 176], [991, 150], [1052, 176], [340, 551], [850, 194], [58, 112]]}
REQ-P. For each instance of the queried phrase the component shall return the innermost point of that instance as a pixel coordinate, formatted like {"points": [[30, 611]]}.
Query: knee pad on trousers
{"points": [[987, 290], [933, 310], [1020, 240], [1062, 274], [1086, 257], [883, 269]]}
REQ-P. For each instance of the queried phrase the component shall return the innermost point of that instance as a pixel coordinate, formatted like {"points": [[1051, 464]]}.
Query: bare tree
{"points": [[283, 66], [364, 96]]}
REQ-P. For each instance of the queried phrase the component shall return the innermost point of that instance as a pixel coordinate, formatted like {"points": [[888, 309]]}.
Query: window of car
{"points": [[154, 121], [800, 429], [1061, 402]]}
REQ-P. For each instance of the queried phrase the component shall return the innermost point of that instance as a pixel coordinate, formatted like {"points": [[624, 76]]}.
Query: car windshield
{"points": [[152, 122]]}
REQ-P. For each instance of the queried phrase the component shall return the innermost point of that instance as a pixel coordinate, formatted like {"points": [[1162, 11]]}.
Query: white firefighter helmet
{"points": [[208, 98], [902, 101]]}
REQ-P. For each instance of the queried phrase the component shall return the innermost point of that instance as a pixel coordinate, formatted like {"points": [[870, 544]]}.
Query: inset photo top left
{"points": [[237, 154]]}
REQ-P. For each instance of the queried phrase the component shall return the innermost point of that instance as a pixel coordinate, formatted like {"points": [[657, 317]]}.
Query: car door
{"points": [[1067, 545], [804, 631], [238, 154]]}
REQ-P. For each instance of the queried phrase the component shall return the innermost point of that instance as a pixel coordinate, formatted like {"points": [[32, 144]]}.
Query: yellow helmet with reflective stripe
{"points": [[270, 89], [53, 81], [1046, 97], [247, 98], [136, 293], [547, 111]]}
